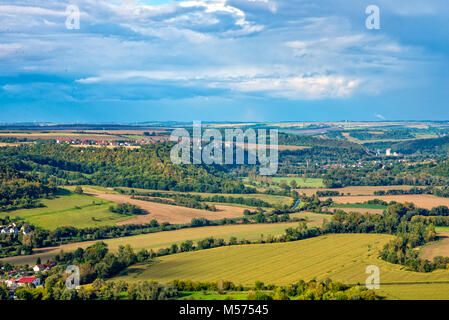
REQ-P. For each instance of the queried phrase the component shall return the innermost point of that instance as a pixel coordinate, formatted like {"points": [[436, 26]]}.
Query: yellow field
{"points": [[164, 239], [341, 257], [428, 291], [49, 134], [313, 219]]}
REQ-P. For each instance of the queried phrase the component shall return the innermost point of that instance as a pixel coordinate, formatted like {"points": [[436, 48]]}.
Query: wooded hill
{"points": [[149, 167], [20, 190]]}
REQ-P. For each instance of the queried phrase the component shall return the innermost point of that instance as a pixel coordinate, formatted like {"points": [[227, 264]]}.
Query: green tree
{"points": [[4, 292], [259, 295], [259, 285], [24, 293]]}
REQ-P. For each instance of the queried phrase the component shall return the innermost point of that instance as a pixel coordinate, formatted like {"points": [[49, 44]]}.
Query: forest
{"points": [[149, 167], [21, 190], [382, 135]]}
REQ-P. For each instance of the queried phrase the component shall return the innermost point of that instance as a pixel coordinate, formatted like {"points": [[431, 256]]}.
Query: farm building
{"points": [[29, 280], [43, 267]]}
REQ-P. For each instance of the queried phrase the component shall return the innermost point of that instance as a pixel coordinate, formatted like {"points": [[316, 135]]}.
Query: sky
{"points": [[217, 60]]}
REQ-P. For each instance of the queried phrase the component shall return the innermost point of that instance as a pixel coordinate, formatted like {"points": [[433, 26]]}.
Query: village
{"points": [[12, 229], [15, 278], [102, 143]]}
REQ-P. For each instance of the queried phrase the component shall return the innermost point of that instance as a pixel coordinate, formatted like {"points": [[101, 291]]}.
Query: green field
{"points": [[165, 239], [308, 183], [341, 257], [69, 209], [358, 205], [300, 182]]}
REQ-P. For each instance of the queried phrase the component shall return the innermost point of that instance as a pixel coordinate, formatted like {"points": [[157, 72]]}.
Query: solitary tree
{"points": [[293, 184]]}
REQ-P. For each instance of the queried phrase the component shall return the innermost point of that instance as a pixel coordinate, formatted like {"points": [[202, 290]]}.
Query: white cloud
{"points": [[381, 117], [212, 74], [246, 80], [319, 87], [34, 11]]}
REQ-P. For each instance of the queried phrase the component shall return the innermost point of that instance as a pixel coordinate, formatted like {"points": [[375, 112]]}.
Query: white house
{"points": [[8, 230], [44, 266], [39, 268], [11, 284]]}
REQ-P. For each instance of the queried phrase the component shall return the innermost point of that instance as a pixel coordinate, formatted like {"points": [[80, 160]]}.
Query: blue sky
{"points": [[238, 60]]}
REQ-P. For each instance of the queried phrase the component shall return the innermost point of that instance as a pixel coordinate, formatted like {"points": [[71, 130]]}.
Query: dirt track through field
{"points": [[168, 213], [420, 200]]}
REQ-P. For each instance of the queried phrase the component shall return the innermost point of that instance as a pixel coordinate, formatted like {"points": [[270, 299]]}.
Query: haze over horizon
{"points": [[217, 60]]}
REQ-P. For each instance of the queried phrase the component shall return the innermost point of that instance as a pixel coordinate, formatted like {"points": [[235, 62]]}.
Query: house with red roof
{"points": [[29, 280]]}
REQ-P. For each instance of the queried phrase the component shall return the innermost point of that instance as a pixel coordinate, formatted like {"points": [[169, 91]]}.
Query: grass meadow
{"points": [[300, 182], [358, 206], [69, 209]]}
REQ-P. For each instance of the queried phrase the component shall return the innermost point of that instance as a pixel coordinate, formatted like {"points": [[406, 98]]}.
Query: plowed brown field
{"points": [[169, 213], [420, 200], [440, 248]]}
